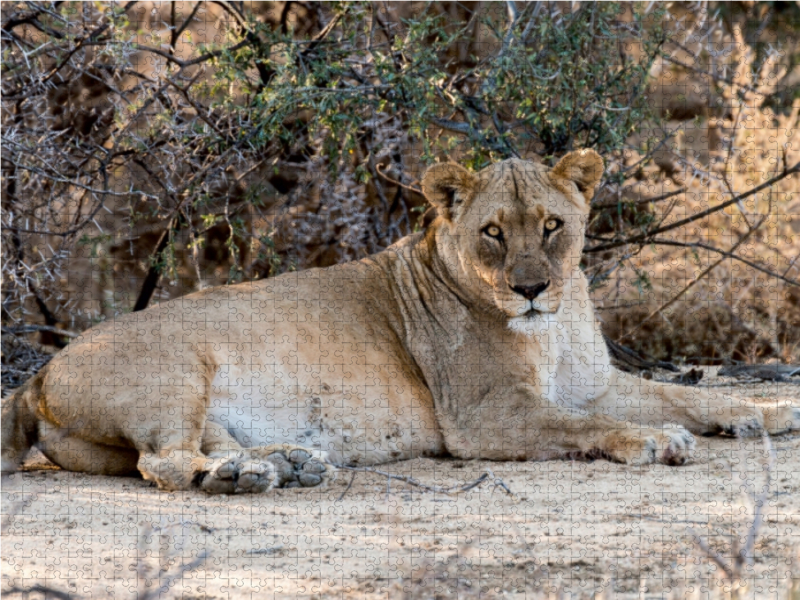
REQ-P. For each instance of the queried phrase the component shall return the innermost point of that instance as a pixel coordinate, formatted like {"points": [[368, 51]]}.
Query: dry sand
{"points": [[579, 525]]}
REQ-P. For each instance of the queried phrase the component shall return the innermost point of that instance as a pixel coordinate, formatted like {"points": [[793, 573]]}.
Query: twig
{"points": [[37, 328], [717, 78], [44, 590], [641, 201], [712, 554], [416, 190], [744, 556], [746, 553], [349, 485], [694, 281], [176, 34], [497, 482], [645, 237], [200, 110], [449, 490], [84, 42], [726, 254], [154, 272]]}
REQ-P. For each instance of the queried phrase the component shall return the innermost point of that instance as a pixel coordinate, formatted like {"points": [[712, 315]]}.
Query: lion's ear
{"points": [[582, 167], [447, 184]]}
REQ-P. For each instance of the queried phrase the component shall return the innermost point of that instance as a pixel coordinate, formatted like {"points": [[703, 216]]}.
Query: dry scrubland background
{"points": [[151, 149]]}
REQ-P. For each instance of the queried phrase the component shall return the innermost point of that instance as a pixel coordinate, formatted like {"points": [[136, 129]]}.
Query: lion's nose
{"points": [[530, 292]]}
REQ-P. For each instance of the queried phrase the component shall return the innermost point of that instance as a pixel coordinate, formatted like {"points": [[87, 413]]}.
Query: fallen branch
{"points": [[349, 485], [766, 372], [436, 489], [44, 590]]}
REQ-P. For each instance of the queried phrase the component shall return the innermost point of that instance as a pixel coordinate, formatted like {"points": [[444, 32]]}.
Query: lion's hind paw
{"points": [[240, 474], [300, 467], [260, 469]]}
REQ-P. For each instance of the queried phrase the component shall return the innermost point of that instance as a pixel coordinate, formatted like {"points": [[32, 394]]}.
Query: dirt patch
{"points": [[583, 526]]}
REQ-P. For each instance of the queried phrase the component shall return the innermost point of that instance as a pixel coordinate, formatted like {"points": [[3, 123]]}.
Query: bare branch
{"points": [[641, 201], [35, 328], [727, 254], [645, 238]]}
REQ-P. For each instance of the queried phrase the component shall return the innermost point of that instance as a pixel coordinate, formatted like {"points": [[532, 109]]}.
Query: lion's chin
{"points": [[532, 323]]}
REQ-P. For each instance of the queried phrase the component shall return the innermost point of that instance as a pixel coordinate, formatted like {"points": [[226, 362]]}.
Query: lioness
{"points": [[476, 339]]}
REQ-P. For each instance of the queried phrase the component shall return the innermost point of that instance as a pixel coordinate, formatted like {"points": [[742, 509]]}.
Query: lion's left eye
{"points": [[493, 231], [551, 225]]}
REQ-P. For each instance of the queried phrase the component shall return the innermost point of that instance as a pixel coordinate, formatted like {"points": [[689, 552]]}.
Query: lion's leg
{"points": [[621, 441], [530, 427], [699, 409], [236, 469], [19, 423], [74, 454]]}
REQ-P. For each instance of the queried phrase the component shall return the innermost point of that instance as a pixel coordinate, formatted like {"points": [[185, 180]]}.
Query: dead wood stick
{"points": [[449, 490], [347, 489]]}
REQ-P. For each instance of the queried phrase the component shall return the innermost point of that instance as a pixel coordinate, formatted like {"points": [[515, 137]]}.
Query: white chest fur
{"points": [[570, 355]]}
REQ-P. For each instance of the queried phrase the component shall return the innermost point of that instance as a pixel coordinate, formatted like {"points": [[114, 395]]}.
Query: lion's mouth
{"points": [[526, 310]]}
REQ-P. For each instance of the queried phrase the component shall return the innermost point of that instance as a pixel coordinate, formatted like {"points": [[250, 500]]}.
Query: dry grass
{"points": [[697, 304]]}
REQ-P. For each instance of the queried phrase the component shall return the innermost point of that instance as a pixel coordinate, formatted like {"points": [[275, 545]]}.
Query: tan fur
{"points": [[452, 341]]}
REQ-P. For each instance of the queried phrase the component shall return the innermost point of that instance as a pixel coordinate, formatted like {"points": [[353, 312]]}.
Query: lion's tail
{"points": [[19, 425]]}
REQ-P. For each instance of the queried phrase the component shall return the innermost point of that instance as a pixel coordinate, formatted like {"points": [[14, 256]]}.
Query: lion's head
{"points": [[512, 234]]}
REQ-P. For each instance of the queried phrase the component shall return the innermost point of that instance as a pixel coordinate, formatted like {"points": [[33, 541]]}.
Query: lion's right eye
{"points": [[494, 232]]}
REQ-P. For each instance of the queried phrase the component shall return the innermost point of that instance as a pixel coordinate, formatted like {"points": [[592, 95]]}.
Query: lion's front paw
{"points": [[300, 467], [240, 474], [743, 423], [675, 445], [672, 445], [781, 419]]}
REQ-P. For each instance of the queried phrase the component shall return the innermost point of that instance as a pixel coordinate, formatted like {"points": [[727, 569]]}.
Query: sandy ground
{"points": [[580, 526]]}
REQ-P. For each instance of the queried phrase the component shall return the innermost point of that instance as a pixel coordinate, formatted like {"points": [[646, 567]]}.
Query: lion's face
{"points": [[514, 231]]}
